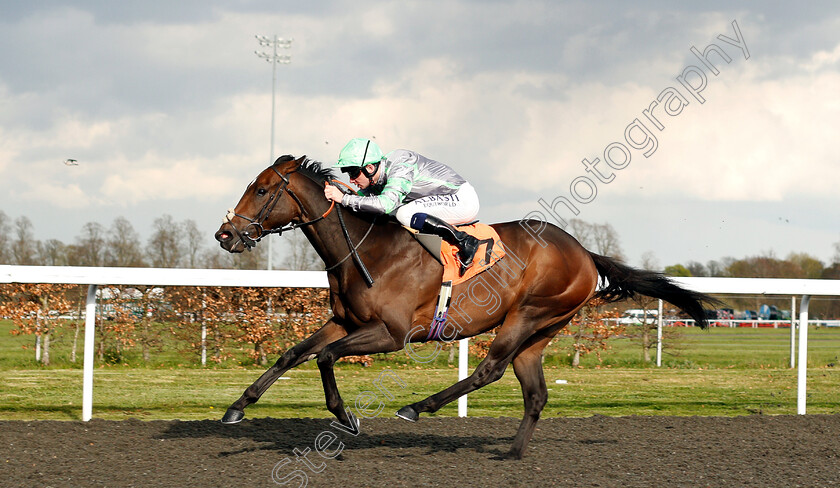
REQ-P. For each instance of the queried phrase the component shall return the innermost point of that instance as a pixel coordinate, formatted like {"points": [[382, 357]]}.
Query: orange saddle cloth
{"points": [[489, 252]]}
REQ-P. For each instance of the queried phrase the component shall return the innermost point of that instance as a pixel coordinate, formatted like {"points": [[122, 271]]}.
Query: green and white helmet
{"points": [[358, 153]]}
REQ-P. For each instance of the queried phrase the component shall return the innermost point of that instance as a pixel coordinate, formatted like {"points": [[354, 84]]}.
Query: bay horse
{"points": [[532, 301]]}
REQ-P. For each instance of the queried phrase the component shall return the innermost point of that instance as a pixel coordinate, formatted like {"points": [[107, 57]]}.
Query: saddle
{"points": [[489, 252]]}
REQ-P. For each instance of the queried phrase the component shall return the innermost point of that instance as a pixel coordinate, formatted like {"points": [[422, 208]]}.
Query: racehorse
{"points": [[533, 300]]}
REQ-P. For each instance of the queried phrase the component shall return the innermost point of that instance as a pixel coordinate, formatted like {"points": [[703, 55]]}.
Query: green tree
{"points": [[677, 270], [805, 265]]}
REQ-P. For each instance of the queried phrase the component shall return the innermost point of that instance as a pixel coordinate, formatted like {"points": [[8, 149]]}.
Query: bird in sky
{"points": [[71, 162]]}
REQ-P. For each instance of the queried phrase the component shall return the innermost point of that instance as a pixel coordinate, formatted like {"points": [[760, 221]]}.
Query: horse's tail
{"points": [[623, 282]]}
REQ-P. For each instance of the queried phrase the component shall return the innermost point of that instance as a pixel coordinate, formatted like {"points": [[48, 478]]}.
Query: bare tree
{"points": [[582, 231], [5, 255], [24, 248], [607, 242], [300, 254], [53, 253], [163, 248], [256, 258], [90, 245], [645, 332], [193, 242], [123, 245], [650, 262], [599, 238], [696, 268], [216, 258], [716, 268], [726, 262]]}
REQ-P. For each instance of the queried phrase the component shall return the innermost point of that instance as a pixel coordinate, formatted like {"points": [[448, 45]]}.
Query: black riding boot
{"points": [[467, 244]]}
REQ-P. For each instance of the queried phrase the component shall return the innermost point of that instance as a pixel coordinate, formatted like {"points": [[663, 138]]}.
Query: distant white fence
{"points": [[94, 277], [730, 323], [771, 286]]}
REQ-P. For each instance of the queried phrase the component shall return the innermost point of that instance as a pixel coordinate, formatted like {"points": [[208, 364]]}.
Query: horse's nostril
{"points": [[223, 236]]}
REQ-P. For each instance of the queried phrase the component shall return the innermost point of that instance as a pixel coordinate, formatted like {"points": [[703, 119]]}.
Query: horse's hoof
{"points": [[408, 413], [233, 416]]}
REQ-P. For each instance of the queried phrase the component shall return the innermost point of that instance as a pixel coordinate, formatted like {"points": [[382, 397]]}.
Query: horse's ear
{"points": [[284, 158]]}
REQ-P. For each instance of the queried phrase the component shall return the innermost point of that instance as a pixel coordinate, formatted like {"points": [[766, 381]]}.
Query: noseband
{"points": [[254, 231]]}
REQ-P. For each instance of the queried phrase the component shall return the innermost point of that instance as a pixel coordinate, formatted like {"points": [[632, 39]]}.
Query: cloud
{"points": [[65, 196], [154, 178], [753, 140], [824, 59]]}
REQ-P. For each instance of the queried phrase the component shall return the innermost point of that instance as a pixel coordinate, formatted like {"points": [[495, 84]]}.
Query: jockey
{"points": [[421, 193]]}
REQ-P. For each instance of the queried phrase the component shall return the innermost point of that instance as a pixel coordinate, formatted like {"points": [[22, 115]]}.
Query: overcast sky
{"points": [[167, 110]]}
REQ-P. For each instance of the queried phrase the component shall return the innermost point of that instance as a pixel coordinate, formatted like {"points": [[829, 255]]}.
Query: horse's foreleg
{"points": [[527, 365], [300, 353], [370, 339]]}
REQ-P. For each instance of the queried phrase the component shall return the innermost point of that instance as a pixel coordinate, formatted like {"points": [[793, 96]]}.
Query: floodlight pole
{"points": [[273, 58]]}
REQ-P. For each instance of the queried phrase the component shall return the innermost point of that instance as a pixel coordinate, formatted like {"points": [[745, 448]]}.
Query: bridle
{"points": [[250, 240], [254, 231]]}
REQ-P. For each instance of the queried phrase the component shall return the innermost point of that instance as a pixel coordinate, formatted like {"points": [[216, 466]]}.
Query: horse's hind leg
{"points": [[527, 365], [300, 353], [510, 338]]}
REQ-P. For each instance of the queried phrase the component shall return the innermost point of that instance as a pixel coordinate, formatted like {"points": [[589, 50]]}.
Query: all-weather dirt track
{"points": [[754, 451]]}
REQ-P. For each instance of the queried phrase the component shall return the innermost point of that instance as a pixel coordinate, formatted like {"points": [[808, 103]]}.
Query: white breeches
{"points": [[459, 208]]}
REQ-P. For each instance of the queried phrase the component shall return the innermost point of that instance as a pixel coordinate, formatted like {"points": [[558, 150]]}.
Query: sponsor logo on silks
{"points": [[440, 198]]}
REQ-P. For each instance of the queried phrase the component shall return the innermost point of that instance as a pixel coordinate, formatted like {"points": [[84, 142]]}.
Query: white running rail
{"points": [[94, 277]]}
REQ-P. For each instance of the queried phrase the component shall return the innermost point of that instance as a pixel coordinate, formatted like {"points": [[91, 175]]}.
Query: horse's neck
{"points": [[326, 235]]}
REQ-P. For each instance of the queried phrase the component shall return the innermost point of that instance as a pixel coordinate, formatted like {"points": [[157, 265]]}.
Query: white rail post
{"points": [[38, 336], [87, 375], [659, 337], [463, 369], [203, 330], [203, 344], [792, 332], [803, 354]]}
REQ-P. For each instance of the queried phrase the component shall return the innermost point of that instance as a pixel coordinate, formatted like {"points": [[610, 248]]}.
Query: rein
{"points": [[353, 250], [250, 240]]}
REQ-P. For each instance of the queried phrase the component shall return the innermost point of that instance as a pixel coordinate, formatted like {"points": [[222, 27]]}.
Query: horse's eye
{"points": [[261, 192]]}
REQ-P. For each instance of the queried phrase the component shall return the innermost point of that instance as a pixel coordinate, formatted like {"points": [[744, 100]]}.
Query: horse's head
{"points": [[267, 204]]}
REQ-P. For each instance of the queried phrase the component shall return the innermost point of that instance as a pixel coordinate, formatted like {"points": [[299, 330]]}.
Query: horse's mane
{"points": [[313, 169]]}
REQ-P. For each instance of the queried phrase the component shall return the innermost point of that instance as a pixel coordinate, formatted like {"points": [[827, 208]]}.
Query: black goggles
{"points": [[352, 171]]}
